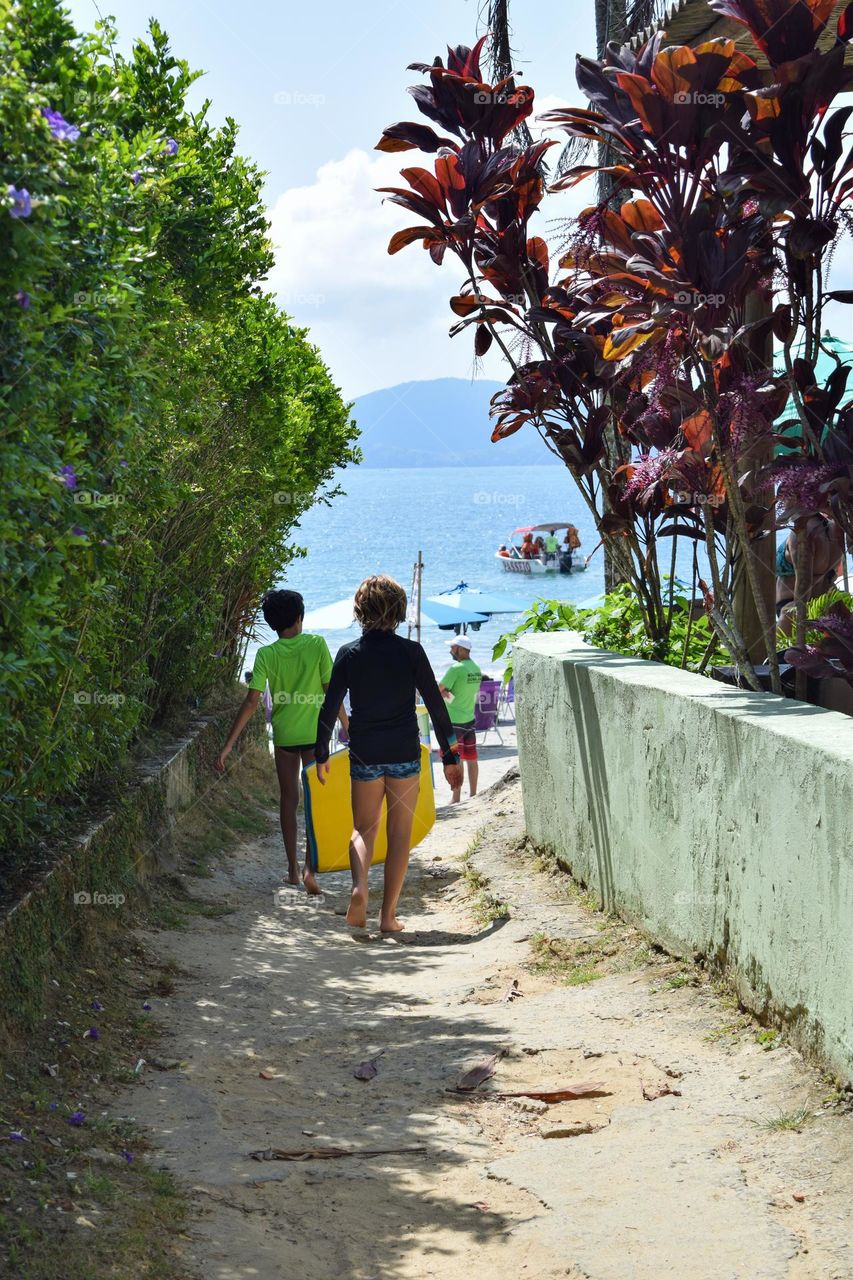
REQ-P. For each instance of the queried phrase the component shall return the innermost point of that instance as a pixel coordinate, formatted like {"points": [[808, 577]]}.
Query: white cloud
{"points": [[378, 319]]}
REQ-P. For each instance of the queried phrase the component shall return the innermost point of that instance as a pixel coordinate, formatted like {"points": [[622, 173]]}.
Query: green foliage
{"points": [[164, 425], [617, 624]]}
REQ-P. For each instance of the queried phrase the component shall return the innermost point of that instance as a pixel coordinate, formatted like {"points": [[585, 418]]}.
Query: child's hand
{"points": [[219, 762], [322, 771], [454, 776]]}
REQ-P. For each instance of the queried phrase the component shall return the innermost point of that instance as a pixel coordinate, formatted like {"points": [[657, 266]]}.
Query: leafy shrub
{"points": [[164, 424], [618, 624]]}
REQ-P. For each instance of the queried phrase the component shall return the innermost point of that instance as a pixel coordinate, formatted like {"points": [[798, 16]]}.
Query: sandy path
{"points": [[687, 1186]]}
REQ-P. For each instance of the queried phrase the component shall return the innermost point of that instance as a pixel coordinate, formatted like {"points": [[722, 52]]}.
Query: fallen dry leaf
{"points": [[512, 992], [367, 1070], [481, 1205], [475, 1076], [268, 1073], [560, 1093], [84, 1222], [651, 1093], [799, 1196]]}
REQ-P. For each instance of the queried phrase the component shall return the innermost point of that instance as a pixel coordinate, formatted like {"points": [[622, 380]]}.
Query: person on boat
{"points": [[572, 539], [824, 563], [382, 672], [539, 546], [528, 549], [461, 685], [552, 546], [502, 551]]}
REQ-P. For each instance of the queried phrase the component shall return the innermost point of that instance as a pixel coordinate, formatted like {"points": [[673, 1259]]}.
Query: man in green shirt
{"points": [[460, 684], [552, 546], [296, 667]]}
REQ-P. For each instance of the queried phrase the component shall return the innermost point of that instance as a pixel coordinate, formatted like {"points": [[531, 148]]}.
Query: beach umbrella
{"points": [[339, 616], [831, 350], [465, 597]]}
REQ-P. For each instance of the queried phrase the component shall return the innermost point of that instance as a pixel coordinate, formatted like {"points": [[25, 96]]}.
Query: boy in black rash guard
{"points": [[382, 672]]}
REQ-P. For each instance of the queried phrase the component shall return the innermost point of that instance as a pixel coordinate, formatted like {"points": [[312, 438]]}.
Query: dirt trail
{"points": [[693, 1185]]}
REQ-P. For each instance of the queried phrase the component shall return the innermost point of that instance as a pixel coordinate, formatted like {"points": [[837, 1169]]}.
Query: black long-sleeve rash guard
{"points": [[382, 671]]}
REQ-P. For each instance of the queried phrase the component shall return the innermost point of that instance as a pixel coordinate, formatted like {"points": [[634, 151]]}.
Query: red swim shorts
{"points": [[466, 741]]}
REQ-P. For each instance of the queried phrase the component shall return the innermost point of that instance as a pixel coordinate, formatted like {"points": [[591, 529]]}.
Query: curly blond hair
{"points": [[380, 604]]}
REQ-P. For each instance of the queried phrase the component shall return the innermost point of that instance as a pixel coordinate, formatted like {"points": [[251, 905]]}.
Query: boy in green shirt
{"points": [[461, 684], [297, 668]]}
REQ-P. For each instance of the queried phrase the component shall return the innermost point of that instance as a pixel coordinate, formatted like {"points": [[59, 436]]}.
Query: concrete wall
{"points": [[719, 821]]}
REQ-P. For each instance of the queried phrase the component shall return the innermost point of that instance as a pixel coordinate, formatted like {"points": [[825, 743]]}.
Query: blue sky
{"points": [[311, 86]]}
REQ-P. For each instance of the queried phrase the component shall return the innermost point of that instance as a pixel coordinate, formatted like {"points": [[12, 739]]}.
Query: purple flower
{"points": [[23, 299], [51, 1106], [78, 532], [136, 178], [76, 1118], [92, 1034], [22, 205], [128, 1156], [68, 476], [123, 463], [97, 1006], [59, 126], [16, 1136], [171, 148], [146, 1006]]}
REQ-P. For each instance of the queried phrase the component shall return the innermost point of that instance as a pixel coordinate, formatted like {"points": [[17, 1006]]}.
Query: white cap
{"points": [[462, 642]]}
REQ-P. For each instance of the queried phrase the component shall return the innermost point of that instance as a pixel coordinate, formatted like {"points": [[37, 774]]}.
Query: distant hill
{"points": [[441, 423]]}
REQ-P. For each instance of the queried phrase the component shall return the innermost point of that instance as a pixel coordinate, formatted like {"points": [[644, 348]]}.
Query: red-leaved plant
{"points": [[644, 356]]}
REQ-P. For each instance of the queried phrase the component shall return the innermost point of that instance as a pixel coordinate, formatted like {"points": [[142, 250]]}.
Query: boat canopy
{"points": [[543, 528]]}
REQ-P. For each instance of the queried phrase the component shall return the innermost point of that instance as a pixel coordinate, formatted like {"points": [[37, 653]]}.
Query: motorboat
{"points": [[516, 559]]}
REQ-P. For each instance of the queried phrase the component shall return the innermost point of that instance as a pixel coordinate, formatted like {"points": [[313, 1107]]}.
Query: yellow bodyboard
{"points": [[328, 813]]}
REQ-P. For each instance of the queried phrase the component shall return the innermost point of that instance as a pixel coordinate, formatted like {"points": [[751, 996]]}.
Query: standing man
{"points": [[461, 683], [552, 546]]}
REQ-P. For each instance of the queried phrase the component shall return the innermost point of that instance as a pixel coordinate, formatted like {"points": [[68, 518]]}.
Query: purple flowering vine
{"points": [[171, 148], [77, 1118], [68, 476], [23, 299], [22, 204], [60, 127]]}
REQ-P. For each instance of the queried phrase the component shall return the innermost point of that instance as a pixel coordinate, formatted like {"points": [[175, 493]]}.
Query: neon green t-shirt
{"points": [[295, 668], [551, 543], [463, 681]]}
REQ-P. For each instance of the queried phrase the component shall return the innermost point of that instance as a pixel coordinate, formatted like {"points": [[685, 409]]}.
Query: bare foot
{"points": [[392, 926], [310, 881], [293, 877], [357, 910]]}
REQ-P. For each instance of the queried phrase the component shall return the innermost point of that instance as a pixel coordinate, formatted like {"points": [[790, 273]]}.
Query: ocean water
{"points": [[457, 518]]}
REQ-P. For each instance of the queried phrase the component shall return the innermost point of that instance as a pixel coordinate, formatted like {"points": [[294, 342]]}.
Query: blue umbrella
{"points": [[825, 365]]}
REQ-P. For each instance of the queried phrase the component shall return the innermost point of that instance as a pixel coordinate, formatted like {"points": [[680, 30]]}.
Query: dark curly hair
{"points": [[380, 604], [282, 609]]}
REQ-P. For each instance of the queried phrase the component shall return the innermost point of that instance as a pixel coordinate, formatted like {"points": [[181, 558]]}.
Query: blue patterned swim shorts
{"points": [[370, 772]]}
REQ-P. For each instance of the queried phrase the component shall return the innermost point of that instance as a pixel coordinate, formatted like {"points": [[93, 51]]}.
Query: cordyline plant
{"points": [[644, 359]]}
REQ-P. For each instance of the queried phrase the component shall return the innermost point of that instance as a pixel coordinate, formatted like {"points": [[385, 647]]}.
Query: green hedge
{"points": [[164, 425]]}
